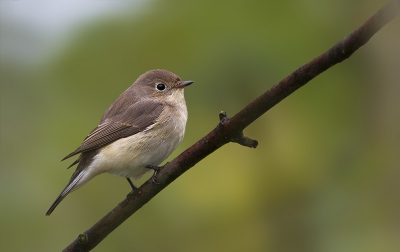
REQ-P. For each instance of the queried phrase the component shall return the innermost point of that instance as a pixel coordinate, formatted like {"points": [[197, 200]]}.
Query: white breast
{"points": [[127, 157]]}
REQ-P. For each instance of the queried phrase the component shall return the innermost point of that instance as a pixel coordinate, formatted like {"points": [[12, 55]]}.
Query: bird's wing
{"points": [[135, 119]]}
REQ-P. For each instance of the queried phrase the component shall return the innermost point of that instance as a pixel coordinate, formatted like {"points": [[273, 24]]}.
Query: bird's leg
{"points": [[132, 185], [156, 169], [133, 189]]}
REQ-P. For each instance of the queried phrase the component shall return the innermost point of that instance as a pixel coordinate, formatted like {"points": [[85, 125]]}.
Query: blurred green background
{"points": [[325, 176]]}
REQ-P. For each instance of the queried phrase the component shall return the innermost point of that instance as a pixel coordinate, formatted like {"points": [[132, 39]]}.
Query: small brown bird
{"points": [[138, 131]]}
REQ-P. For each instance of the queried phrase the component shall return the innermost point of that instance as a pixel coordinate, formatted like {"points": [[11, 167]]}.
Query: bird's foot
{"points": [[133, 189], [131, 183], [156, 169]]}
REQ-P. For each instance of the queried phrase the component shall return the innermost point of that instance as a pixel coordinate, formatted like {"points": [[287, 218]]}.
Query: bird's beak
{"points": [[184, 84]]}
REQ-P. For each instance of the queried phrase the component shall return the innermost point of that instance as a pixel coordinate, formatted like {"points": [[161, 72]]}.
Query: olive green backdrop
{"points": [[325, 176]]}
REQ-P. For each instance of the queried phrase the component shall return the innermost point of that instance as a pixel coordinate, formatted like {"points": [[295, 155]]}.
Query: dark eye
{"points": [[160, 87]]}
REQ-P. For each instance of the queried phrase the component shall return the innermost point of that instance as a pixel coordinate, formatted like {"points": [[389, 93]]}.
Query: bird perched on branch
{"points": [[138, 131]]}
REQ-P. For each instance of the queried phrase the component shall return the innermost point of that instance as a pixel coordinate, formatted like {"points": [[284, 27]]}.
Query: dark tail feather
{"points": [[70, 187], [56, 202]]}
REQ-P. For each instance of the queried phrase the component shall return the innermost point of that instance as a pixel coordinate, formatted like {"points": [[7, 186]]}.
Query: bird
{"points": [[139, 130]]}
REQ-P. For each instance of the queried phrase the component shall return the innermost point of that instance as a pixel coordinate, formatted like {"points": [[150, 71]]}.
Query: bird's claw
{"points": [[156, 169]]}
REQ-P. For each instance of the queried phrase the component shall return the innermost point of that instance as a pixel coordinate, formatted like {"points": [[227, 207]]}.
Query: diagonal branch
{"points": [[230, 129]]}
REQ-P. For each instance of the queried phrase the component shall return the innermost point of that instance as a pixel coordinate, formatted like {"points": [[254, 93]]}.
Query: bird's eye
{"points": [[160, 87]]}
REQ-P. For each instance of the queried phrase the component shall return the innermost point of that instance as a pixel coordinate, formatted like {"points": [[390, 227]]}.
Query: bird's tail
{"points": [[72, 185], [55, 204]]}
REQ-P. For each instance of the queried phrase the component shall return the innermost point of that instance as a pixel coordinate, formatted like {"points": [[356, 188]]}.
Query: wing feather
{"points": [[135, 119]]}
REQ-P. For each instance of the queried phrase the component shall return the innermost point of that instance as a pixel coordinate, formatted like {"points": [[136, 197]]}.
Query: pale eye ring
{"points": [[160, 86]]}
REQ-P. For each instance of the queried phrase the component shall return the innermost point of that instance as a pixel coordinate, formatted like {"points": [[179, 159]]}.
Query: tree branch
{"points": [[231, 129]]}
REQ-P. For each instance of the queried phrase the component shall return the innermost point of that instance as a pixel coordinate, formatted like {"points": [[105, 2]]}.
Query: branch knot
{"points": [[237, 138]]}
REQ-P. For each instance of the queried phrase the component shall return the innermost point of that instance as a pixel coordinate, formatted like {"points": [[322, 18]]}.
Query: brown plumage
{"points": [[141, 128]]}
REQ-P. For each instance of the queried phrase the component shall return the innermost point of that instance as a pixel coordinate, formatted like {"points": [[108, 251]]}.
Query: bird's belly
{"points": [[128, 157]]}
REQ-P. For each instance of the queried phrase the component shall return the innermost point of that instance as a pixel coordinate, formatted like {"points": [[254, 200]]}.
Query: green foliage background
{"points": [[325, 176]]}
